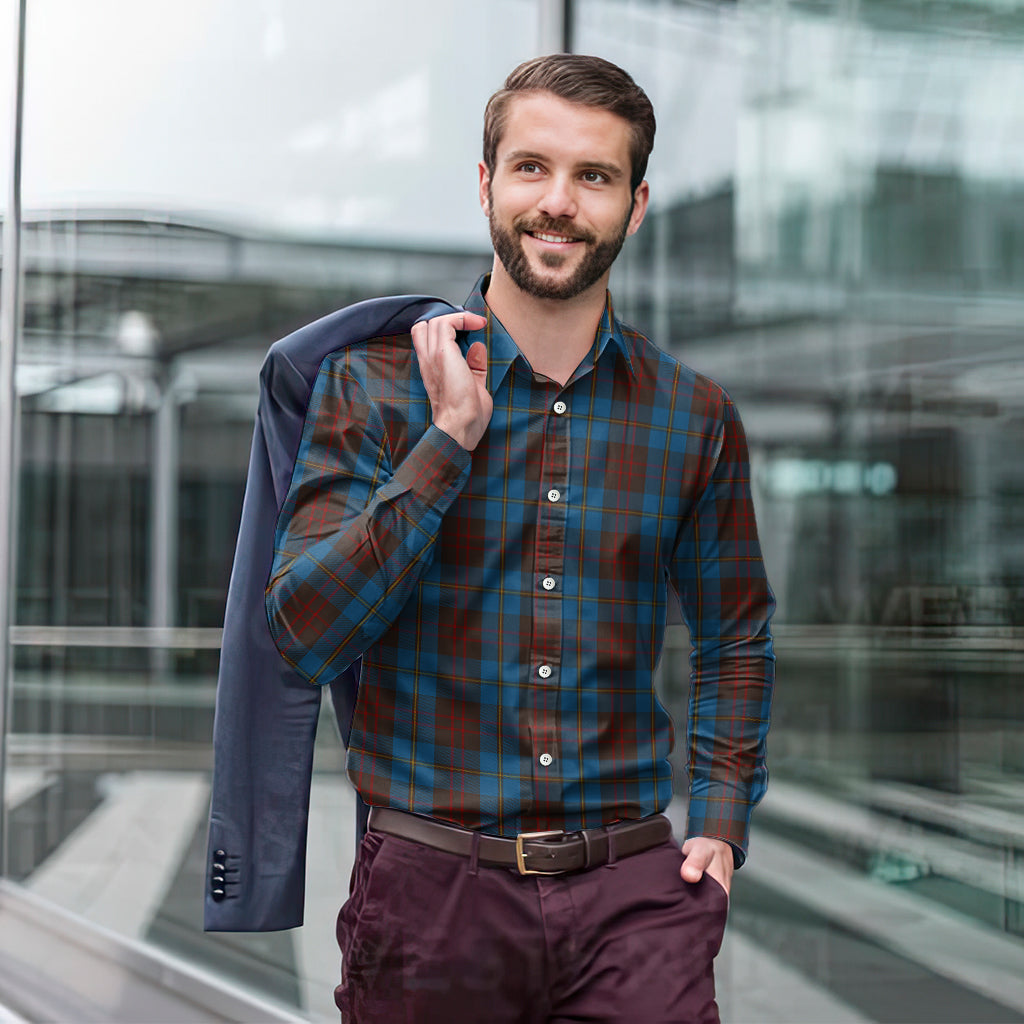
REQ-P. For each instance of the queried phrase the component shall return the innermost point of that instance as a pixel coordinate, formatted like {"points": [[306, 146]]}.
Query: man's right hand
{"points": [[456, 385]]}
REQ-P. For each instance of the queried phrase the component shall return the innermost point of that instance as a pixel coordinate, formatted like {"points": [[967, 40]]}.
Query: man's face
{"points": [[559, 203]]}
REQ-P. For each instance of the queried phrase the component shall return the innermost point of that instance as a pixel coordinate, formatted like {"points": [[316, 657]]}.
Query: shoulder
{"points": [[374, 362], [304, 351], [674, 380]]}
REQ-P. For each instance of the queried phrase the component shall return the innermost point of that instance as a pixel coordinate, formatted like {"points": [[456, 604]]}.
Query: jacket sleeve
{"points": [[727, 604], [355, 533], [263, 733]]}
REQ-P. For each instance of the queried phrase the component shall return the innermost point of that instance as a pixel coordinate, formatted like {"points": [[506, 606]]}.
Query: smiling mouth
{"points": [[546, 237]]}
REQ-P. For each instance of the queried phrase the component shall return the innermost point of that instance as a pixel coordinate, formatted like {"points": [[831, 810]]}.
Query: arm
{"points": [[355, 534], [727, 603]]}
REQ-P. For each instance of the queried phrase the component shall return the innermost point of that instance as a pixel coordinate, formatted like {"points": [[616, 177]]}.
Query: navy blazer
{"points": [[266, 714]]}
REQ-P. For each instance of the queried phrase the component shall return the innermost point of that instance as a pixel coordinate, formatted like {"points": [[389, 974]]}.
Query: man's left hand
{"points": [[711, 855]]}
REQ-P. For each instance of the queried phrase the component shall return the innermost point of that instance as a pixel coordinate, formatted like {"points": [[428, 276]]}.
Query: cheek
{"points": [[515, 197]]}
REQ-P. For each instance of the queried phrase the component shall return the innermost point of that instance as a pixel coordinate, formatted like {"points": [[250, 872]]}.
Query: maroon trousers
{"points": [[430, 937]]}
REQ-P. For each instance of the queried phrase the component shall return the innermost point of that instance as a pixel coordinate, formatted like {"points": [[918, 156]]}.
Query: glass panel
{"points": [[327, 119], [8, 26], [8, 55], [836, 236], [200, 179]]}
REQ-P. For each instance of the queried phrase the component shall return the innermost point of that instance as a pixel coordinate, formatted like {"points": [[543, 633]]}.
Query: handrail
{"points": [[53, 963], [167, 637]]}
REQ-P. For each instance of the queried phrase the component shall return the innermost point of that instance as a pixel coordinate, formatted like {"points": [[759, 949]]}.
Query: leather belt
{"points": [[530, 853]]}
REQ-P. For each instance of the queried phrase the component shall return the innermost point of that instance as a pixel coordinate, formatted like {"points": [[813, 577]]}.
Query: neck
{"points": [[553, 334]]}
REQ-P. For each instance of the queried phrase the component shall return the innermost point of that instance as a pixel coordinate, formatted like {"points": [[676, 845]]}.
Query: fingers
{"points": [[434, 339], [435, 344], [445, 326], [472, 321], [456, 385]]}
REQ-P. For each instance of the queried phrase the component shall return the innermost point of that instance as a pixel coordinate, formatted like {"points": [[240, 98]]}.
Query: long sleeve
{"points": [[727, 603], [355, 533]]}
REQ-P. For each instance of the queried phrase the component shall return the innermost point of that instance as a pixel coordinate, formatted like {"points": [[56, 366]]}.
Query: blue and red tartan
{"points": [[509, 604]]}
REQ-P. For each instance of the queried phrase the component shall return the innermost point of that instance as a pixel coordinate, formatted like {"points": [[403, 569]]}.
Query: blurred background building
{"points": [[836, 235]]}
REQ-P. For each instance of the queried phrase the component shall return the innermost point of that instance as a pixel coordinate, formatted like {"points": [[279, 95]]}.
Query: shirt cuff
{"points": [[721, 816]]}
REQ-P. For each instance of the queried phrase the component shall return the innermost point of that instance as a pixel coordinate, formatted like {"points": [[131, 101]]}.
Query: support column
{"points": [[554, 26], [10, 320], [163, 543]]}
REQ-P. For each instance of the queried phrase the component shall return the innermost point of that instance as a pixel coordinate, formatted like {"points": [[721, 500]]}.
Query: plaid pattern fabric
{"points": [[509, 605]]}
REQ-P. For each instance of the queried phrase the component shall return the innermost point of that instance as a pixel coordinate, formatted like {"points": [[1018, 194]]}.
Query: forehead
{"points": [[542, 123]]}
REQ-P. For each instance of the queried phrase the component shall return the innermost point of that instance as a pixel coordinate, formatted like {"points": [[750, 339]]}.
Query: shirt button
{"points": [[544, 671], [554, 495], [545, 759], [548, 583], [559, 408]]}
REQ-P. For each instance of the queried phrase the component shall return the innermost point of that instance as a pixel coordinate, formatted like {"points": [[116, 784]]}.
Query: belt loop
{"points": [[474, 854], [586, 848], [611, 847]]}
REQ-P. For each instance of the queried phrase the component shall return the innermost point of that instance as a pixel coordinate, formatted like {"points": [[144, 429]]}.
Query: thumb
{"points": [[477, 357], [694, 864]]}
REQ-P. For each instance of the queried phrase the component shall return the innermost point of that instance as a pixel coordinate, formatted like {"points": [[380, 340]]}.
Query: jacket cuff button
{"points": [[217, 894]]}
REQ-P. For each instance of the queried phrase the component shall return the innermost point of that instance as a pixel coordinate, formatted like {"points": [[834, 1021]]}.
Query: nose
{"points": [[559, 199]]}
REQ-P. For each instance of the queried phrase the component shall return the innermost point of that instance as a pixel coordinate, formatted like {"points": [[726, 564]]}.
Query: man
{"points": [[491, 513]]}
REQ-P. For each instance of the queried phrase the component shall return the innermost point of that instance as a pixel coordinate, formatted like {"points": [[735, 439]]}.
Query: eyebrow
{"points": [[613, 171]]}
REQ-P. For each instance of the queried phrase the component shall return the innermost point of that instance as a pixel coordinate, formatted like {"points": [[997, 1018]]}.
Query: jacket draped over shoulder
{"points": [[266, 713]]}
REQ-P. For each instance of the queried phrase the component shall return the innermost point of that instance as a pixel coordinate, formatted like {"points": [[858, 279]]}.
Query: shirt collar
{"points": [[502, 350]]}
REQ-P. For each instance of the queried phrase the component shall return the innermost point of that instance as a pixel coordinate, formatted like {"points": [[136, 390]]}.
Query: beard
{"points": [[599, 255]]}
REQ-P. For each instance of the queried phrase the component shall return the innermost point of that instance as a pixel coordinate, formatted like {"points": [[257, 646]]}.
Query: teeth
{"points": [[551, 238]]}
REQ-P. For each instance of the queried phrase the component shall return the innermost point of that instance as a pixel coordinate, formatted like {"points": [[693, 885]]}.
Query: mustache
{"points": [[552, 226]]}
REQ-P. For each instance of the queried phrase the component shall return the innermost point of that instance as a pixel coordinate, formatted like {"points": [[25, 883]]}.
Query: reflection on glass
{"points": [[332, 120], [200, 179], [836, 237], [8, 25]]}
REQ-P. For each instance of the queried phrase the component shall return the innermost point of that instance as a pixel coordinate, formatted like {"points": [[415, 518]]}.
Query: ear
{"points": [[640, 199], [485, 182]]}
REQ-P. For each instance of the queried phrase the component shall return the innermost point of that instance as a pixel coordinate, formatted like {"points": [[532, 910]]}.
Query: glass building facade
{"points": [[836, 235]]}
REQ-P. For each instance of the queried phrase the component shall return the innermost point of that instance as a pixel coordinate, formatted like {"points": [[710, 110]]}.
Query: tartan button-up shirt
{"points": [[509, 604]]}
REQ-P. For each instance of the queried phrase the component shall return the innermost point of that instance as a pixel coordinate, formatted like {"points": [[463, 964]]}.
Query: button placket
{"points": [[549, 566]]}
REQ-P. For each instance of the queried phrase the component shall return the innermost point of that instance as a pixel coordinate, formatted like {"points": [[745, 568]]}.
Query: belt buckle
{"points": [[521, 856]]}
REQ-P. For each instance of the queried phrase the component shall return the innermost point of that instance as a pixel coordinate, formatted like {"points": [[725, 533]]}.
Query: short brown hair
{"points": [[575, 77]]}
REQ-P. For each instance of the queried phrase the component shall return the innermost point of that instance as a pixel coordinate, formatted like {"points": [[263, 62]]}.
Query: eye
{"points": [[594, 177], [529, 167]]}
